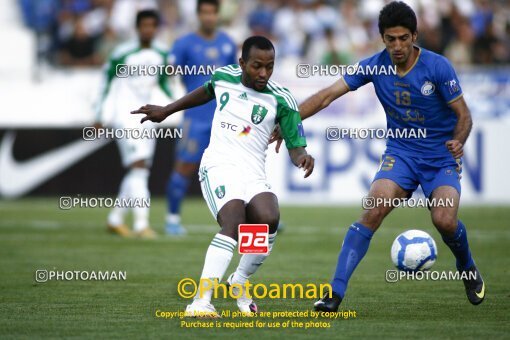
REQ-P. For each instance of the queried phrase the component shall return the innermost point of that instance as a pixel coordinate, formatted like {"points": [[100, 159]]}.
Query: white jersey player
{"points": [[232, 171], [122, 90], [242, 125]]}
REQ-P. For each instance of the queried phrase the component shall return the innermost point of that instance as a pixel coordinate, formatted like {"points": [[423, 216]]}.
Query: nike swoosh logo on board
{"points": [[18, 178]]}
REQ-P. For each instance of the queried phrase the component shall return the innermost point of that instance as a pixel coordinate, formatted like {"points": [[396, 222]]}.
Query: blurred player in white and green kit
{"points": [[120, 92], [232, 170]]}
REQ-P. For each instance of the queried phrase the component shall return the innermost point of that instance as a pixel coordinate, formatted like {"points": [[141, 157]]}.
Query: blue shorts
{"points": [[409, 172], [195, 139]]}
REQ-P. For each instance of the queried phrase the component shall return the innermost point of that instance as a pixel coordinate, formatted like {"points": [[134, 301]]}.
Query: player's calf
{"points": [[262, 209], [222, 247], [248, 265], [473, 282]]}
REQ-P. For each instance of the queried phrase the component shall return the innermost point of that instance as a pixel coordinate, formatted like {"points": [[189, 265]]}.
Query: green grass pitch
{"points": [[35, 234]]}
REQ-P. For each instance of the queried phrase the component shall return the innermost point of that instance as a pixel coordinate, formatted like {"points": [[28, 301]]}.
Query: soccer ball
{"points": [[414, 250]]}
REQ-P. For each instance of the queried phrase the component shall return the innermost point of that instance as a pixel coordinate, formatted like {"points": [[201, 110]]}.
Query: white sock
{"points": [[249, 263], [116, 215], [140, 192], [216, 262], [173, 218]]}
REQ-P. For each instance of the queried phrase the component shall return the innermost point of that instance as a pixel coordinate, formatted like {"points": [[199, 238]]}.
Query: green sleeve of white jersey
{"points": [[291, 127], [209, 87], [163, 84], [163, 78]]}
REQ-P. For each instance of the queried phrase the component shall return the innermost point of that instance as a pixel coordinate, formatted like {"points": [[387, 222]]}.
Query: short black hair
{"points": [[257, 41], [210, 2], [147, 13], [397, 13]]}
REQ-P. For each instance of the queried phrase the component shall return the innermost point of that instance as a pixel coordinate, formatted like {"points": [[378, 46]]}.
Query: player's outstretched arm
{"points": [[462, 128], [157, 114], [312, 105], [302, 160], [322, 99]]}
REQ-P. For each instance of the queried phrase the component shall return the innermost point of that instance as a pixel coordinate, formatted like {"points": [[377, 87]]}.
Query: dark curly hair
{"points": [[397, 13]]}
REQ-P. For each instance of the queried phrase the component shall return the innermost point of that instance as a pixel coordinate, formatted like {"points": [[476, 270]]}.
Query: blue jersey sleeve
{"points": [[358, 79], [177, 55], [447, 81]]}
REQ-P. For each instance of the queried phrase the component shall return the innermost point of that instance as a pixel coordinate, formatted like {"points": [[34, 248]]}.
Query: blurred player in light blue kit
{"points": [[424, 94], [206, 47]]}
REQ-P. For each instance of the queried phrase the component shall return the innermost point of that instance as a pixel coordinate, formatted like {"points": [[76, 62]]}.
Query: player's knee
{"points": [[373, 218], [271, 218], [444, 221], [273, 227], [272, 221]]}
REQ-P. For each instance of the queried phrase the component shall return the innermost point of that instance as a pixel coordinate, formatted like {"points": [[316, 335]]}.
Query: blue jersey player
{"points": [[425, 94], [206, 47]]}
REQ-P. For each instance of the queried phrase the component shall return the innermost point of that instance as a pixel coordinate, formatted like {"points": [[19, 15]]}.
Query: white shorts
{"points": [[132, 150], [223, 183], [135, 149]]}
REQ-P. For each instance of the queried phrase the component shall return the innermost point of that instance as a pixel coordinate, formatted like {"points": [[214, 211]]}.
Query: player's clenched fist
{"points": [[154, 113], [456, 148]]}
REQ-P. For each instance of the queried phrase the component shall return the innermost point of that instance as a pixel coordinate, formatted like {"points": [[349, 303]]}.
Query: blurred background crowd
{"points": [[83, 32]]}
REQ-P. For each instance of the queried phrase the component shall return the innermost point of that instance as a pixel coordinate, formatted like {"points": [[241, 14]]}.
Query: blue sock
{"points": [[355, 246], [175, 192], [459, 246]]}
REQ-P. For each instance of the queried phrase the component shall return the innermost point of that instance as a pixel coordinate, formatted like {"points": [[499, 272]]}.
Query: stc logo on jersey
{"points": [[232, 127], [253, 238], [228, 126]]}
